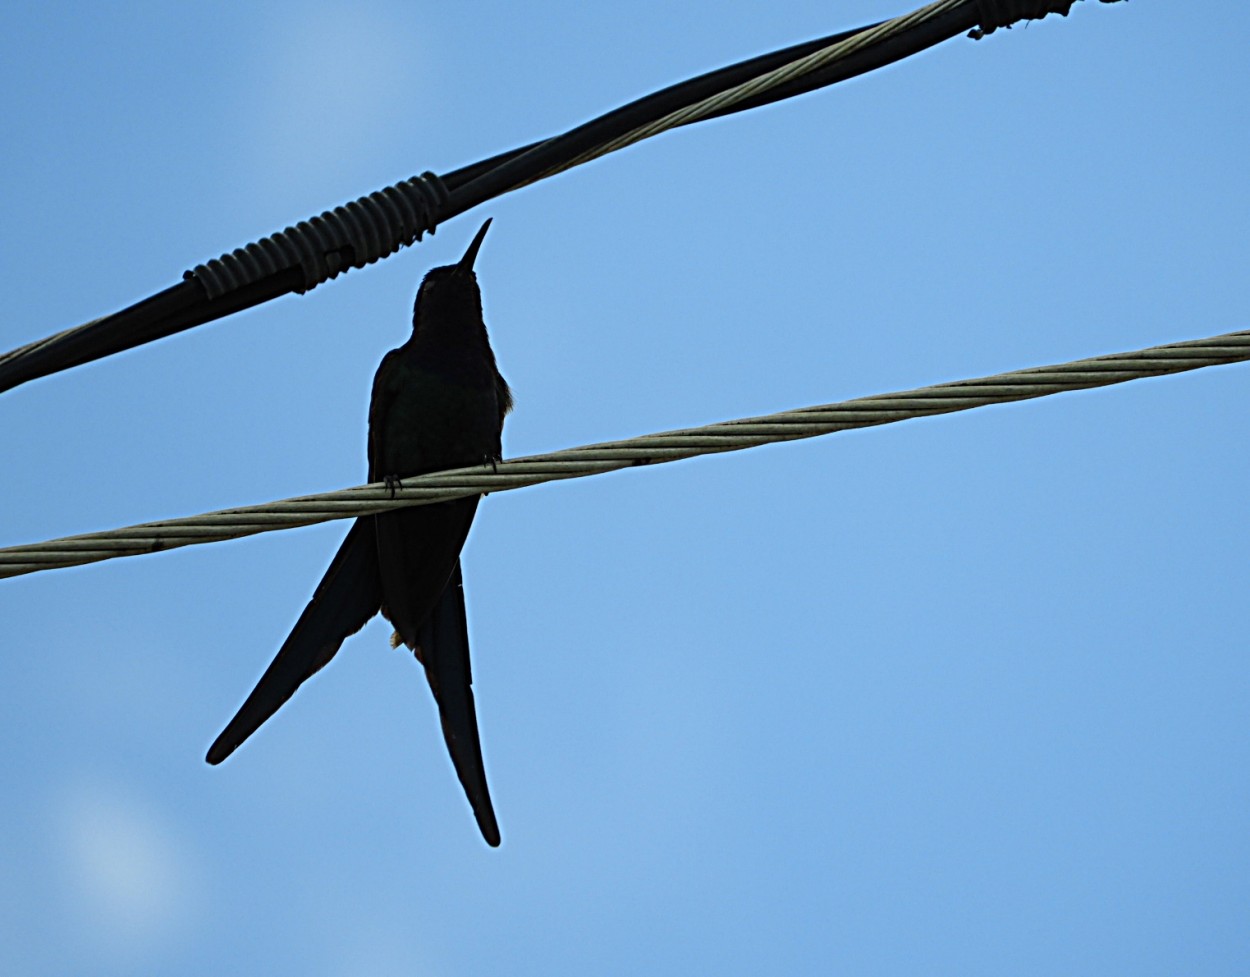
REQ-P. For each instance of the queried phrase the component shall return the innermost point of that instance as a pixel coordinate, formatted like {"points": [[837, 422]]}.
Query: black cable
{"points": [[523, 165], [356, 234], [653, 106]]}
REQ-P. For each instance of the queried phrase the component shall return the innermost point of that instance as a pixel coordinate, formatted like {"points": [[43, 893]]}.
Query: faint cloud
{"points": [[129, 879], [326, 87]]}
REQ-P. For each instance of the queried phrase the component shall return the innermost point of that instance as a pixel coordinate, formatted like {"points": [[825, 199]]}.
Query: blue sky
{"points": [[959, 696]]}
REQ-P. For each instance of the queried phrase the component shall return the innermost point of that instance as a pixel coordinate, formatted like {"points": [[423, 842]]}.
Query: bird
{"points": [[438, 402]]}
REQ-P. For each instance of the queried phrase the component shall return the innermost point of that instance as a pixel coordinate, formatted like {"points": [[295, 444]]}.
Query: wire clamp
{"points": [[1004, 13]]}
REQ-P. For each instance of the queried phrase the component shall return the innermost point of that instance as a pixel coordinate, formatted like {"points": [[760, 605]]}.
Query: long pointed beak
{"points": [[465, 264]]}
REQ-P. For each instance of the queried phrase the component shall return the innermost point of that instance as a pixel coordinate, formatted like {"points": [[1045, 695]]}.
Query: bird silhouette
{"points": [[438, 402]]}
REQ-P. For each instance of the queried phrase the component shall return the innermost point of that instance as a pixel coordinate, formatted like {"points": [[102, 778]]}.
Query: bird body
{"points": [[438, 402]]}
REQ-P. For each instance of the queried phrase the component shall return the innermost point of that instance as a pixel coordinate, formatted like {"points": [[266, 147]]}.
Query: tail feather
{"points": [[349, 594], [443, 642]]}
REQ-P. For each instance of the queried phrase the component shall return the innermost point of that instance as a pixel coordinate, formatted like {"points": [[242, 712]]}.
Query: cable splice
{"points": [[351, 235]]}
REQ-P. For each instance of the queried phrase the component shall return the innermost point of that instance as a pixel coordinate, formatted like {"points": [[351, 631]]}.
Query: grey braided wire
{"points": [[763, 83], [595, 459], [1001, 13]]}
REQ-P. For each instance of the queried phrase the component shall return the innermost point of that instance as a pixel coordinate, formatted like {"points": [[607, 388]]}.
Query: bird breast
{"points": [[440, 417]]}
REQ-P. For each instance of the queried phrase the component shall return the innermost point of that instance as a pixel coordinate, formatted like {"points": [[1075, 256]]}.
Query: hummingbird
{"points": [[438, 402]]}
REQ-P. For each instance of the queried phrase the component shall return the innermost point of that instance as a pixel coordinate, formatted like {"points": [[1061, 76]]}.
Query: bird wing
{"points": [[349, 594], [443, 641], [417, 550], [418, 559], [380, 399], [423, 596]]}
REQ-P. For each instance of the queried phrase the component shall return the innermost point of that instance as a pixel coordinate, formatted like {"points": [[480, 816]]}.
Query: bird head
{"points": [[451, 289]]}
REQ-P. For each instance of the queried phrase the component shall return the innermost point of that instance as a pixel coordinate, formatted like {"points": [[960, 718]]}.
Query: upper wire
{"points": [[380, 223]]}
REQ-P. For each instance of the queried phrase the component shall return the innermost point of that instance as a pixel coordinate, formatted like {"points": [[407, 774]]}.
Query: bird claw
{"points": [[493, 461], [393, 483]]}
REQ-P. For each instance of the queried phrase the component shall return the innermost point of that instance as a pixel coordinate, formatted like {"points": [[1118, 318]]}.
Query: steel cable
{"points": [[650, 449]]}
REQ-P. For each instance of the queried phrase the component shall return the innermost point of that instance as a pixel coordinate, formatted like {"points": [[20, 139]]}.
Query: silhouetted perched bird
{"points": [[438, 402]]}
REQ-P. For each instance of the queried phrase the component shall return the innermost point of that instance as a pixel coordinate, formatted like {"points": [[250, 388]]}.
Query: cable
{"points": [[380, 223], [944, 19], [647, 450]]}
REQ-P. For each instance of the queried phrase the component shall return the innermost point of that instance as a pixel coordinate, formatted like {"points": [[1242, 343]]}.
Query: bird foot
{"points": [[393, 483], [493, 461]]}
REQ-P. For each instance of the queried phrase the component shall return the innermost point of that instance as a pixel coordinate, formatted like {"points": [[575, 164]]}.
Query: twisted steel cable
{"points": [[722, 101], [650, 449]]}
